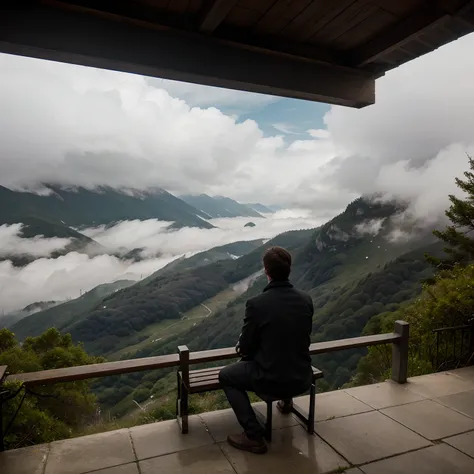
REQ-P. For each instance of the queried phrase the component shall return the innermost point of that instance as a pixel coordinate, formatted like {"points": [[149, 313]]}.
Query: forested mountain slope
{"points": [[130, 310], [225, 252], [62, 315], [353, 267]]}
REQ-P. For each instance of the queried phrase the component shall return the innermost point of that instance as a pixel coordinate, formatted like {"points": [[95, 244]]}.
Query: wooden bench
{"points": [[206, 380]]}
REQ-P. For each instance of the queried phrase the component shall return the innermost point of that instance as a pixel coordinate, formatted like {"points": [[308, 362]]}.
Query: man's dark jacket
{"points": [[276, 336]]}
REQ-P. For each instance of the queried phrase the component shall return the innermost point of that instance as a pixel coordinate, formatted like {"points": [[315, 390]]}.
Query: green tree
{"points": [[458, 235], [51, 412], [449, 301]]}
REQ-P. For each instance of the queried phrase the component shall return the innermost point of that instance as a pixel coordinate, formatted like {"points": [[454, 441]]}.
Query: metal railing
{"points": [[454, 346]]}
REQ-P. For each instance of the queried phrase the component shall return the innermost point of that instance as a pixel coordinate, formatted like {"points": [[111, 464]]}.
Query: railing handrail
{"points": [[82, 372], [455, 328]]}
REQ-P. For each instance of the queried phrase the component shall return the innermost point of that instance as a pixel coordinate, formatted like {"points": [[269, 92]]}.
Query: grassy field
{"points": [[164, 329]]}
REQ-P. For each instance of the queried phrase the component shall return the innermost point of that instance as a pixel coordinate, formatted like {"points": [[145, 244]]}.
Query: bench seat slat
{"points": [[208, 379]]}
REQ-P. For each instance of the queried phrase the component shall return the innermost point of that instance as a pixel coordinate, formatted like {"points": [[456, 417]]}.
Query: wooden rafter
{"points": [[214, 14]]}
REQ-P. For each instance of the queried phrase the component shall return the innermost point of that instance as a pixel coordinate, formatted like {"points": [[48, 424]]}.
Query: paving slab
{"points": [[466, 373], [223, 422], [430, 419], [278, 420], [90, 453], [205, 460], [354, 470], [463, 442], [368, 436], [438, 385], [439, 459], [165, 437], [29, 460], [384, 395], [292, 450], [462, 402], [333, 405], [131, 468]]}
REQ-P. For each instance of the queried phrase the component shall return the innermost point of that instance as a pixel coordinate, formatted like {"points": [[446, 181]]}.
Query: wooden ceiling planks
{"points": [[316, 16], [350, 37], [371, 26], [242, 17], [345, 22]]}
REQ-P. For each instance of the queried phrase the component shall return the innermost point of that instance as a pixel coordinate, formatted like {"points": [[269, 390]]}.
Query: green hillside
{"points": [[123, 316], [82, 207], [10, 319], [356, 266], [352, 276], [62, 315], [224, 252]]}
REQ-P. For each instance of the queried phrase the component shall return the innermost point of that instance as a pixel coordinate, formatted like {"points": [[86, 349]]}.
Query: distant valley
{"points": [[358, 265], [365, 261]]}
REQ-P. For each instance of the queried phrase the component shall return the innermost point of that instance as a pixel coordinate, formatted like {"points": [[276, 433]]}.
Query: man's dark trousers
{"points": [[236, 379]]}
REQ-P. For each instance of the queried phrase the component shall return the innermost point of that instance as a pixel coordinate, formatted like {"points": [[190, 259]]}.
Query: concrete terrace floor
{"points": [[423, 427]]}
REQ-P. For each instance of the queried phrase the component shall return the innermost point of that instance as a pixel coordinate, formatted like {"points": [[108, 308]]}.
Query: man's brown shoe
{"points": [[243, 442], [285, 407]]}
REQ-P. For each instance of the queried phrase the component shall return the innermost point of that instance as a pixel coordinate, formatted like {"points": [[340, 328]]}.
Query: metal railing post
{"points": [[400, 352]]}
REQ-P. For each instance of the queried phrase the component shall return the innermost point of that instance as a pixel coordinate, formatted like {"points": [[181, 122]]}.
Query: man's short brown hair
{"points": [[277, 263]]}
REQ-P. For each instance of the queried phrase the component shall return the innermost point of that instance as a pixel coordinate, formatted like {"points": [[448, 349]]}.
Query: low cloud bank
{"points": [[12, 244], [69, 275], [156, 238]]}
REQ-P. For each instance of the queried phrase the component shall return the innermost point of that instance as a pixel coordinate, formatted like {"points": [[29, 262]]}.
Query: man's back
{"points": [[274, 345], [278, 324]]}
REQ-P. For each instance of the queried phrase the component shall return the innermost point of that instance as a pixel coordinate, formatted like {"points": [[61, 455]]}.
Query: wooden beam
{"points": [[402, 32], [214, 14], [85, 38]]}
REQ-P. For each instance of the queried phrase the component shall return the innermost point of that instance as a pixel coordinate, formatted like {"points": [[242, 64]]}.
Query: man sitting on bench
{"points": [[274, 345]]}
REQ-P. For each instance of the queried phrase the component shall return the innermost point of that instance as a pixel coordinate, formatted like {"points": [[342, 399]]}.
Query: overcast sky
{"points": [[82, 126]]}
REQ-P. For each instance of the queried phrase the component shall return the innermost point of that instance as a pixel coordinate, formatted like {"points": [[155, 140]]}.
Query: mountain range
{"points": [[358, 265], [80, 207], [64, 212], [220, 206]]}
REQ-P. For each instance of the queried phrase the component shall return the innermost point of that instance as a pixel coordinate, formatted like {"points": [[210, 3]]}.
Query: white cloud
{"points": [[65, 277], [319, 133], [13, 244], [284, 128], [208, 96], [413, 141], [156, 239], [369, 227]]}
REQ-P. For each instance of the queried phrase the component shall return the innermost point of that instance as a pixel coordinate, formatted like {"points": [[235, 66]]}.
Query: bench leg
{"points": [[182, 406], [308, 419], [178, 396], [312, 406], [268, 422]]}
